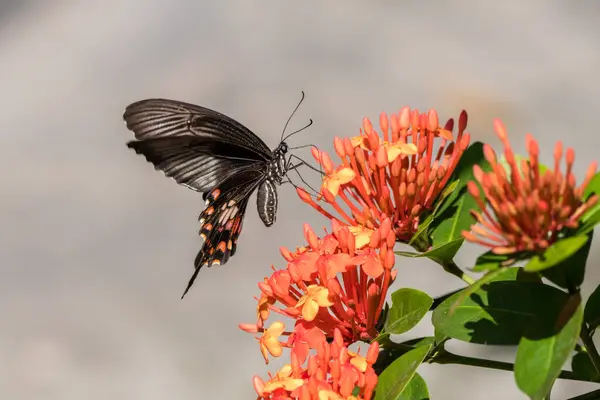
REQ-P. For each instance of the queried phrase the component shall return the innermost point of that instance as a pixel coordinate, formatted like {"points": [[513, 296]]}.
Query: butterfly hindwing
{"points": [[221, 221]]}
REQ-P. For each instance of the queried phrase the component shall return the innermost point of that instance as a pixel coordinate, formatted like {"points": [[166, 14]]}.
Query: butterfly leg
{"points": [[302, 162], [295, 169]]}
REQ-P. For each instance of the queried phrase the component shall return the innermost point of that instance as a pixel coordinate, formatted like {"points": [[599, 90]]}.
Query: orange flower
{"points": [[330, 373], [337, 178], [282, 381], [269, 342], [399, 148], [362, 235], [530, 208], [398, 176], [316, 296], [331, 395], [262, 309], [332, 283]]}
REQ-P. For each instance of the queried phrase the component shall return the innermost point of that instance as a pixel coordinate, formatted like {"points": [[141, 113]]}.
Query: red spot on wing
{"points": [[222, 246]]}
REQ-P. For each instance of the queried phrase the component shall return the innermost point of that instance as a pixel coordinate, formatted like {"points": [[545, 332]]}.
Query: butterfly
{"points": [[211, 153]]}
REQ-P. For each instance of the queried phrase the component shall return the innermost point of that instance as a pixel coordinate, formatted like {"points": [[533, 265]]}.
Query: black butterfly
{"points": [[211, 153]]}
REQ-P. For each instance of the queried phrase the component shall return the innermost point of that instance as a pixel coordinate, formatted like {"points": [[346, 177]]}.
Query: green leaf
{"points": [[502, 274], [439, 336], [422, 231], [445, 252], [409, 306], [383, 339], [409, 254], [569, 273], [391, 351], [421, 341], [394, 380], [499, 312], [463, 173], [490, 262], [556, 253], [592, 217], [544, 350], [440, 254], [582, 366], [592, 310], [416, 389], [524, 276], [453, 216]]}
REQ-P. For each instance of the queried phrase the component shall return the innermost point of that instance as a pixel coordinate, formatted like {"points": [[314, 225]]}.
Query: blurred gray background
{"points": [[97, 246]]}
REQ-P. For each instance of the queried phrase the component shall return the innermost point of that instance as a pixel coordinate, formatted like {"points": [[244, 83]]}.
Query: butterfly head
{"points": [[282, 149]]}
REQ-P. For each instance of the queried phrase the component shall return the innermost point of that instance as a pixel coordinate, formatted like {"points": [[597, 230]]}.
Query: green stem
{"points": [[453, 269], [594, 395], [588, 342], [445, 357]]}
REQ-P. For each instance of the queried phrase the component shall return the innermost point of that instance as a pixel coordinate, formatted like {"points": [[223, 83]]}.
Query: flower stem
{"points": [[452, 268], [445, 357], [588, 342]]}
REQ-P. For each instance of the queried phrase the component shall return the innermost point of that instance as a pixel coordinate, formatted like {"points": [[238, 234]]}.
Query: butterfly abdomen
{"points": [[266, 202]]}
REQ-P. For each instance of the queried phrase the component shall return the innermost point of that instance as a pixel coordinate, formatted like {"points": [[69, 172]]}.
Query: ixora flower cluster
{"points": [[530, 208], [398, 176], [334, 287]]}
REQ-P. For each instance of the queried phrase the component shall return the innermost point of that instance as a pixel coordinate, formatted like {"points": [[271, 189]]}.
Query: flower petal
{"points": [[362, 235], [373, 266], [346, 175], [310, 310]]}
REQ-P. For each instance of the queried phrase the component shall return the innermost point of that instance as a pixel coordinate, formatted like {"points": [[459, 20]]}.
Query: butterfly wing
{"points": [[160, 118], [196, 163], [221, 221]]}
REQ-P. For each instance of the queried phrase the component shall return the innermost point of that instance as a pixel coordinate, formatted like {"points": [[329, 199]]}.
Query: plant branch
{"points": [[587, 396], [588, 342], [445, 357], [452, 268]]}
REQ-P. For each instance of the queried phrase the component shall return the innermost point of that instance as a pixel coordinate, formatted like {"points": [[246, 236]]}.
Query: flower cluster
{"points": [[334, 287], [530, 207], [333, 373], [396, 177], [338, 282]]}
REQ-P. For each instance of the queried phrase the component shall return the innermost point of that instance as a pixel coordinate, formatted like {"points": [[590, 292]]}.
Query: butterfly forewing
{"points": [[156, 118], [194, 162]]}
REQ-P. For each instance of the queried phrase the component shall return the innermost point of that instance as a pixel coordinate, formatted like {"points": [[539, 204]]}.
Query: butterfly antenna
{"points": [[290, 118], [299, 130], [302, 147]]}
